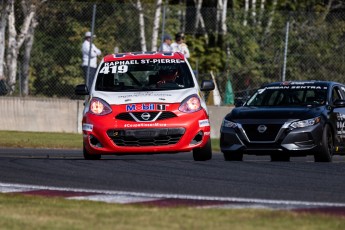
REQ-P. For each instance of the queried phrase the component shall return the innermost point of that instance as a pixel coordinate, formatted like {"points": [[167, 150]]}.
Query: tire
{"points": [[203, 153], [325, 153], [88, 156], [233, 155], [280, 157]]}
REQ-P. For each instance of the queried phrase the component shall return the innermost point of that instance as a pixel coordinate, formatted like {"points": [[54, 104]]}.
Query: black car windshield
{"points": [[289, 96], [143, 75]]}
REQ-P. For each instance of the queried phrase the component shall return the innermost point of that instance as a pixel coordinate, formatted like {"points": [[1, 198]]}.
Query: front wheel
{"points": [[203, 153], [325, 153], [88, 156]]}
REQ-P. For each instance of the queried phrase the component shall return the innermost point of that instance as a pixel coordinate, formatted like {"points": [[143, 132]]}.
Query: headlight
{"points": [[229, 124], [305, 123], [191, 104], [99, 107]]}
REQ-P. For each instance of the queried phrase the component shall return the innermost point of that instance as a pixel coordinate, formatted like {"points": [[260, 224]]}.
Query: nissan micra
{"points": [[144, 103]]}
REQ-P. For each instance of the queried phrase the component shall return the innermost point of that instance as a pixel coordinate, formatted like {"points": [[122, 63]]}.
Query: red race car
{"points": [[145, 102]]}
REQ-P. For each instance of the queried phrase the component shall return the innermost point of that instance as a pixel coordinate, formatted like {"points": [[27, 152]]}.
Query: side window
{"points": [[342, 90], [276, 98], [336, 94]]}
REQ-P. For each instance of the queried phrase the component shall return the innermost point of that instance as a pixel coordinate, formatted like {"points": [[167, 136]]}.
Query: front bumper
{"points": [[108, 135], [299, 141]]}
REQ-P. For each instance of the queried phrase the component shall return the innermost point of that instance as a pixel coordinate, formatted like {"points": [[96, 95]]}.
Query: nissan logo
{"points": [[262, 128], [145, 116]]}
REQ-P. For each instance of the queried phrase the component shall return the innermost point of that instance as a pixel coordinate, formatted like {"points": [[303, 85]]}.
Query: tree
{"points": [[141, 26], [246, 9], [155, 27], [15, 40], [199, 19], [28, 43], [262, 10], [221, 17], [5, 7], [217, 38], [24, 79]]}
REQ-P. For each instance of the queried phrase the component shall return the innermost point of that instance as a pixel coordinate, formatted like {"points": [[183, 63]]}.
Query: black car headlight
{"points": [[229, 124], [305, 123]]}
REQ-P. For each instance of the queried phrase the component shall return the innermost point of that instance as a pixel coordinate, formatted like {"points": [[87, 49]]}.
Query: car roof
{"points": [[143, 55], [301, 83]]}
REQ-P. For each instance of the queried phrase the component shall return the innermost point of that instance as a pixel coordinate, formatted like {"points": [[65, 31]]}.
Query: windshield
{"points": [[143, 75], [289, 96]]}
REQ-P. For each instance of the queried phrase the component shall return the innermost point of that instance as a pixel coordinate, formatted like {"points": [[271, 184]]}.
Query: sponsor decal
{"points": [[340, 117], [146, 94], [141, 61], [340, 127], [145, 107], [126, 62], [123, 66], [87, 127], [145, 125], [204, 123], [296, 87], [308, 87], [140, 107], [148, 61], [161, 107], [207, 133]]}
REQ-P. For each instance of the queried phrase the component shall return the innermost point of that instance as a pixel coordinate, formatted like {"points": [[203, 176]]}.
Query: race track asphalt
{"points": [[256, 177]]}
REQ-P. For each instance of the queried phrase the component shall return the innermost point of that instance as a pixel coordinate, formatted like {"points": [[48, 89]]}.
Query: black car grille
{"points": [[269, 135], [146, 137], [152, 115]]}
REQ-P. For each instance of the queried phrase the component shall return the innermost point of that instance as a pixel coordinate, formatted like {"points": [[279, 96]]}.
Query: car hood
{"points": [[168, 96], [240, 113]]}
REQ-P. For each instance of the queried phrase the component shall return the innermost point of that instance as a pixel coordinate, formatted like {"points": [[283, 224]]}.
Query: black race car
{"points": [[284, 119]]}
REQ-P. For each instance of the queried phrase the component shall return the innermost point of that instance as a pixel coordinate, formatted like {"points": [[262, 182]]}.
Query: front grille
{"points": [[146, 137], [154, 116], [269, 135]]}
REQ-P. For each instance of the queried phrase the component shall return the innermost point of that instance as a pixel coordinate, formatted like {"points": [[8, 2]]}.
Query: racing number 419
{"points": [[114, 69]]}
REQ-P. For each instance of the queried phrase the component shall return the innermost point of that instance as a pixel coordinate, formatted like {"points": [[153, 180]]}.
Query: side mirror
{"points": [[339, 103], [207, 85], [81, 90]]}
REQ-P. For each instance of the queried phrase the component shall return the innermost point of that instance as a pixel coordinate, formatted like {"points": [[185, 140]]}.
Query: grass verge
{"points": [[51, 140], [29, 212], [40, 140]]}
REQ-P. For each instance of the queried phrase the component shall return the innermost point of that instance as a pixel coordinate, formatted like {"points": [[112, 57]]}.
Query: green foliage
{"points": [[249, 54], [208, 58], [314, 50]]}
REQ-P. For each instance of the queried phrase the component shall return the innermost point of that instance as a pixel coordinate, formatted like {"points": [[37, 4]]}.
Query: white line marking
{"points": [[120, 199], [7, 187]]}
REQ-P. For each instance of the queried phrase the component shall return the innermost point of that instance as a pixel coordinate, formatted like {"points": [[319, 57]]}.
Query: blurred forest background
{"points": [[241, 44]]}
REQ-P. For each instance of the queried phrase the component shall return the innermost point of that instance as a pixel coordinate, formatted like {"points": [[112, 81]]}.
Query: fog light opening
{"points": [[198, 138], [95, 142]]}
